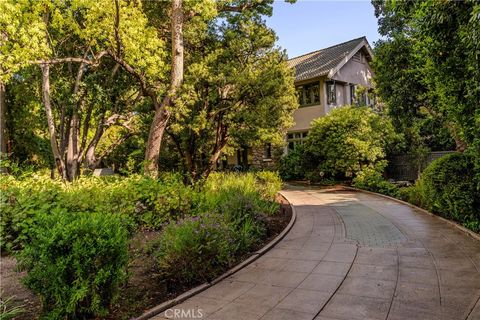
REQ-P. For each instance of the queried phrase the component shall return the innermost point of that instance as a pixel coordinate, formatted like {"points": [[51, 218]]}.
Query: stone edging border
{"points": [[257, 254], [452, 223]]}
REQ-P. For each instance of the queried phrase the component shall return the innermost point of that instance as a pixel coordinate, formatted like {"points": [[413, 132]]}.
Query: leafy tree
{"points": [[21, 40], [88, 93], [427, 70], [348, 140], [28, 145], [105, 69], [238, 91]]}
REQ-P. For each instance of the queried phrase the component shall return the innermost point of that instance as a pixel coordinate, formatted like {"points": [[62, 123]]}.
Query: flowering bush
{"points": [[72, 239]]}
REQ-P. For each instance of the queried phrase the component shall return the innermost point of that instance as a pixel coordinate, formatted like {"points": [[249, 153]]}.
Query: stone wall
{"points": [[259, 161]]}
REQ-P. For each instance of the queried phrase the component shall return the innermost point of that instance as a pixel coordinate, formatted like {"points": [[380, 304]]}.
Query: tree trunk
{"points": [[162, 114], [72, 148], [211, 163], [59, 163], [460, 144], [3, 130], [155, 136], [90, 159]]}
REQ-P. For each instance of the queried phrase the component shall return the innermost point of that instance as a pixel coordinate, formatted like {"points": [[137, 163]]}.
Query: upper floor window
{"points": [[308, 94], [331, 93]]}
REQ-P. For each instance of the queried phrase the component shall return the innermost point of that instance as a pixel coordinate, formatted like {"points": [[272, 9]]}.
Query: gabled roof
{"points": [[327, 61]]}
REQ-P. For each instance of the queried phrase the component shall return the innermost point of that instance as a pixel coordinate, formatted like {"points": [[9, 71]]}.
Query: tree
{"points": [[21, 40], [427, 68], [448, 45], [349, 140], [28, 145], [238, 91], [162, 112], [81, 42]]}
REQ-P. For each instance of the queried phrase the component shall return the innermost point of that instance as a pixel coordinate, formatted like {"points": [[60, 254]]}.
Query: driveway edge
{"points": [[456, 225], [257, 254]]}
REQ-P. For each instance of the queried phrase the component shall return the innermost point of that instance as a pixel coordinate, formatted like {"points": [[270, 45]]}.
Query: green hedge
{"points": [[75, 262], [448, 187], [292, 166]]}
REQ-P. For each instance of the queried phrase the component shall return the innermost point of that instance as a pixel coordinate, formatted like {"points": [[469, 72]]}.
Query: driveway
{"points": [[349, 256]]}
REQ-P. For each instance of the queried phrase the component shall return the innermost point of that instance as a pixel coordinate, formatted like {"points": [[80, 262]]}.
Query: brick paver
{"points": [[351, 256]]}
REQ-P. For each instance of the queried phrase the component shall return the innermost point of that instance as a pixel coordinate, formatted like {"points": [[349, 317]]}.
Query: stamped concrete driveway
{"points": [[350, 256]]}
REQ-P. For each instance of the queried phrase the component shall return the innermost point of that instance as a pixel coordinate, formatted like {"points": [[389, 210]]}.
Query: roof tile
{"points": [[320, 62]]}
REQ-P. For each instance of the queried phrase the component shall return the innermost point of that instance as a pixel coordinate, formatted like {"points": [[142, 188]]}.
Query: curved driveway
{"points": [[350, 256]]}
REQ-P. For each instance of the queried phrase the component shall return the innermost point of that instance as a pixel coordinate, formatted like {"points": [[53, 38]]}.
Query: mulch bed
{"points": [[145, 288]]}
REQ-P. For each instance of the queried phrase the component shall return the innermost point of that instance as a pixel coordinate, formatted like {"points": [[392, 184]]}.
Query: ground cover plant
{"points": [[79, 233]]}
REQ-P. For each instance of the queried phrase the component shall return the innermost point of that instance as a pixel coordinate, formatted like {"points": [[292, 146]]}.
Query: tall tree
{"points": [[162, 112], [404, 77], [238, 89], [21, 40], [77, 38], [3, 129]]}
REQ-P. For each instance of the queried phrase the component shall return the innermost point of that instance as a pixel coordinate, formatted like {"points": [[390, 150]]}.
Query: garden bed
{"points": [[145, 287]]}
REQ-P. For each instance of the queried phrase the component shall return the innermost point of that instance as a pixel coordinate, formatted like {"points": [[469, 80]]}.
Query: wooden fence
{"points": [[407, 167]]}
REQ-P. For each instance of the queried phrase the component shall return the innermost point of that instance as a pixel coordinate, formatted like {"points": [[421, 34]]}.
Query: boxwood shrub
{"points": [[75, 263]]}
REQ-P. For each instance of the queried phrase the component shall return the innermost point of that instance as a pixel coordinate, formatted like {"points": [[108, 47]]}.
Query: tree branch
{"points": [[94, 61]]}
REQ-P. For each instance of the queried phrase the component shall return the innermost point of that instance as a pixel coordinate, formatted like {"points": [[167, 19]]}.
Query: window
{"points": [[352, 94], [267, 151], [308, 94], [331, 93], [296, 138], [363, 99]]}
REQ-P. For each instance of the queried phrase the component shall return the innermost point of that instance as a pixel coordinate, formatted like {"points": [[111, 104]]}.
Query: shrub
{"points": [[194, 249], [372, 180], [348, 140], [75, 262], [139, 200], [269, 183], [231, 213], [413, 194], [448, 187], [256, 191], [20, 201], [292, 166]]}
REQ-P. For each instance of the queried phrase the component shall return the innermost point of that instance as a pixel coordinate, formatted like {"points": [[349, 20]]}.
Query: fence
{"points": [[407, 167]]}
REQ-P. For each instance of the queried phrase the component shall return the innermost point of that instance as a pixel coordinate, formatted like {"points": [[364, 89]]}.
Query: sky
{"points": [[309, 25]]}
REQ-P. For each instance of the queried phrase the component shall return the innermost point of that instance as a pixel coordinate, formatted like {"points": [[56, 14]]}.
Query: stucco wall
{"points": [[355, 72], [303, 116]]}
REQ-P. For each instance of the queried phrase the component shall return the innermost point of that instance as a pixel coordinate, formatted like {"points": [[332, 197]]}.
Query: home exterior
{"points": [[327, 79], [324, 79]]}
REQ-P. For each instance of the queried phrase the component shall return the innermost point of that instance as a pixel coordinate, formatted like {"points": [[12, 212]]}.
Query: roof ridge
{"points": [[335, 45]]}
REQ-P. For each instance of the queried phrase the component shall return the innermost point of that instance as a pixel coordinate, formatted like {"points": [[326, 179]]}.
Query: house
{"points": [[324, 79], [329, 78]]}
